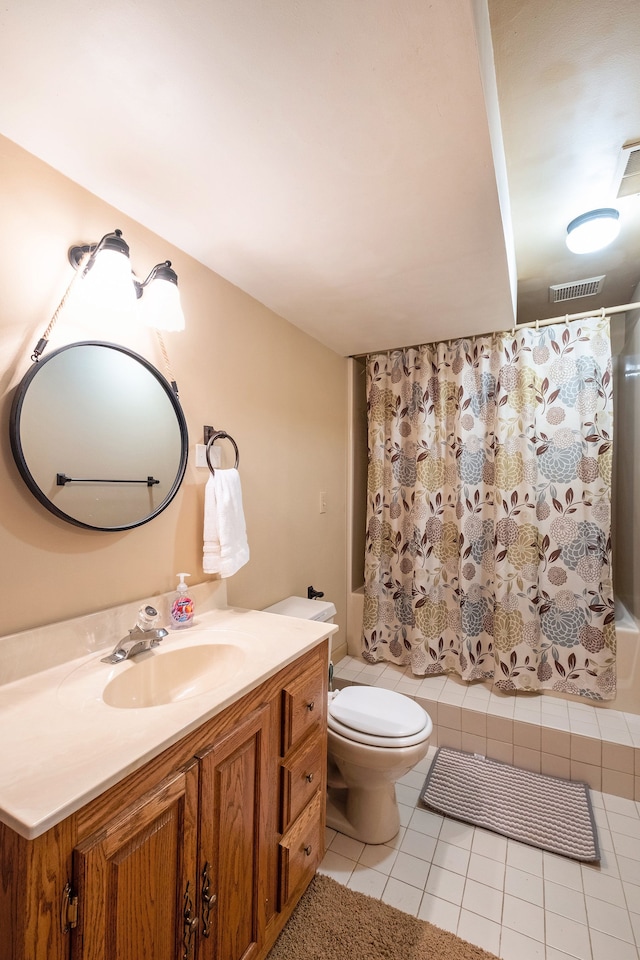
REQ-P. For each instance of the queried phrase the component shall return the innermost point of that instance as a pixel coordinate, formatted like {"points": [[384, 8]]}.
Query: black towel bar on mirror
{"points": [[220, 435]]}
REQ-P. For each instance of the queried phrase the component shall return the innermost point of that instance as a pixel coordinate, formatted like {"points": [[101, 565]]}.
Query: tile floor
{"points": [[515, 901]]}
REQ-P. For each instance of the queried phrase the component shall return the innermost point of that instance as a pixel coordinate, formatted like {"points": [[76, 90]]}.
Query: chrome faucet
{"points": [[143, 636]]}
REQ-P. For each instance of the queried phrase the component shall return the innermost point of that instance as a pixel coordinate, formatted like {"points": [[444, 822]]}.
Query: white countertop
{"points": [[62, 745]]}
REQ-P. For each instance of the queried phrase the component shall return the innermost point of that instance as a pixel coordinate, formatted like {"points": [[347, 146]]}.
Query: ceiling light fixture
{"points": [[593, 230], [106, 267]]}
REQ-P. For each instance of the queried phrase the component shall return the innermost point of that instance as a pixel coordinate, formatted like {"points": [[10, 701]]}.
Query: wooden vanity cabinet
{"points": [[202, 854], [135, 877], [234, 805]]}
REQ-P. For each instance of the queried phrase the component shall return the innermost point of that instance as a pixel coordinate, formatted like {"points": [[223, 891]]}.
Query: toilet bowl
{"points": [[375, 737]]}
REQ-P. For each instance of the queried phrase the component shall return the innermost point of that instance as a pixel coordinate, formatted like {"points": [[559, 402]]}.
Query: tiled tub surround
{"points": [[547, 734]]}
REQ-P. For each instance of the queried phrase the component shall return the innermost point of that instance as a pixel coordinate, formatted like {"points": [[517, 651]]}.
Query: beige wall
{"points": [[239, 367]]}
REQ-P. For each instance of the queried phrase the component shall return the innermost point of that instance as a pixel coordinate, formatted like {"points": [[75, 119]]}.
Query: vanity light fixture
{"points": [[113, 284], [161, 302], [593, 230], [106, 272]]}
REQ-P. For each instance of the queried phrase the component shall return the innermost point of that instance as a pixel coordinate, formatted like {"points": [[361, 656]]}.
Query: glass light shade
{"points": [[161, 305], [109, 283], [593, 230]]}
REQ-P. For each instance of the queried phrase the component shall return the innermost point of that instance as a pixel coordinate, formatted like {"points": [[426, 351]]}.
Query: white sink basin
{"points": [[159, 677]]}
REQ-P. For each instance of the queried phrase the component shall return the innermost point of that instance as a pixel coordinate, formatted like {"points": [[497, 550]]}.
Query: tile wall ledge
{"points": [[550, 735]]}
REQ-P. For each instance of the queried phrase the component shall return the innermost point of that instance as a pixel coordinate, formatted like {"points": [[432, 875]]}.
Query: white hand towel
{"points": [[225, 533]]}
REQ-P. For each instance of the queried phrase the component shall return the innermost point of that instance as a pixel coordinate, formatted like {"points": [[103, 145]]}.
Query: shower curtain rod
{"points": [[602, 311]]}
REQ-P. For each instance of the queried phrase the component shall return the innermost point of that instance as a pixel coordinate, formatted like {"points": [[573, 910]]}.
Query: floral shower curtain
{"points": [[488, 548]]}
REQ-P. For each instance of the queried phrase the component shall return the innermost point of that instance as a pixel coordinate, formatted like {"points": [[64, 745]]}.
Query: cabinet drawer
{"points": [[303, 772], [301, 850], [304, 705]]}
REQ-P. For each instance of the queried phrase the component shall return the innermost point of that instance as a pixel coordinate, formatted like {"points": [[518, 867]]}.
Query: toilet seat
{"points": [[378, 717]]}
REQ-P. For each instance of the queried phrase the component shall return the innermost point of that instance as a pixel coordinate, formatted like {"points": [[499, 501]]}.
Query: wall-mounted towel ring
{"points": [[220, 435]]}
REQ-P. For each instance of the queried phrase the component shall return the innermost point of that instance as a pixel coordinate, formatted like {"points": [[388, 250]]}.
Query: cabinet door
{"points": [[136, 877], [234, 793]]}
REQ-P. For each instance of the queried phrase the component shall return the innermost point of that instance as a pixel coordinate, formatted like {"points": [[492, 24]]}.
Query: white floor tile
{"points": [[347, 847], [626, 846], [526, 918], [441, 913], [603, 887], [565, 901], [629, 869], [489, 845], [368, 881], [609, 919], [451, 858], [445, 885], [378, 857], [609, 948], [411, 870], [460, 834], [563, 871], [484, 870], [524, 886], [553, 954], [484, 933], [568, 936], [627, 826], [524, 857], [408, 795], [627, 808], [483, 900], [515, 946], [336, 866], [418, 844], [632, 897], [426, 822], [402, 895]]}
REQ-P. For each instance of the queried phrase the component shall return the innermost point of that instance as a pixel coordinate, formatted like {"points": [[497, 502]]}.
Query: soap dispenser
{"points": [[182, 605]]}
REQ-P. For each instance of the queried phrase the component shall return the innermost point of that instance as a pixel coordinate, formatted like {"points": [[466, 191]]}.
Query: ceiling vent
{"points": [[559, 292], [628, 170]]}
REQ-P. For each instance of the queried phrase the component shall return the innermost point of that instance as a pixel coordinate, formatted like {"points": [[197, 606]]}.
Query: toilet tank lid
{"points": [[378, 711], [303, 608]]}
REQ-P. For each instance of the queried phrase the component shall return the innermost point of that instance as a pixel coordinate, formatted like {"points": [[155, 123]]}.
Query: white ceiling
{"points": [[341, 160]]}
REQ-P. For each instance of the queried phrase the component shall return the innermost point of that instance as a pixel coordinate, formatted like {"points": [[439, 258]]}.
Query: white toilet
{"points": [[375, 736]]}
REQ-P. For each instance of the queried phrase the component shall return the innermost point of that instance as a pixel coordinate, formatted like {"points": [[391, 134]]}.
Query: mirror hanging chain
{"points": [[42, 343]]}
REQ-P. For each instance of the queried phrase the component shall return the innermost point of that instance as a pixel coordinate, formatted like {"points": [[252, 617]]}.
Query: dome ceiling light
{"points": [[593, 230]]}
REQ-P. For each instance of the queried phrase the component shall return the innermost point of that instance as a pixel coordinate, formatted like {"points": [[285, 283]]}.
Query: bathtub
{"points": [[628, 654]]}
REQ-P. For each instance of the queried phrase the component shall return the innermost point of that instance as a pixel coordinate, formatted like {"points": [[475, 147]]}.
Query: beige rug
{"points": [[332, 922], [546, 812]]}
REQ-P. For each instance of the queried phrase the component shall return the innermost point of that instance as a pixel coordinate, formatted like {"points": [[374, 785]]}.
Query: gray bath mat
{"points": [[546, 812]]}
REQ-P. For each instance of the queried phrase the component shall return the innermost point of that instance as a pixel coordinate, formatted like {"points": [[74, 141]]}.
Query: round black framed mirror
{"points": [[99, 436]]}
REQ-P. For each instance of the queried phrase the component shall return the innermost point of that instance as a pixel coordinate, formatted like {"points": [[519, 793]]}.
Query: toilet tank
{"points": [[305, 609]]}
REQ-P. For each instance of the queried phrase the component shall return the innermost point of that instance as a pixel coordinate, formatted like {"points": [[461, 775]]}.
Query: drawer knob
{"points": [[307, 850], [311, 705], [309, 778]]}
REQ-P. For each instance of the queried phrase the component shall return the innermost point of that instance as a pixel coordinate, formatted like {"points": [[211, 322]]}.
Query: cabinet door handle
{"points": [[309, 777], [307, 850], [208, 900], [190, 924], [311, 705]]}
